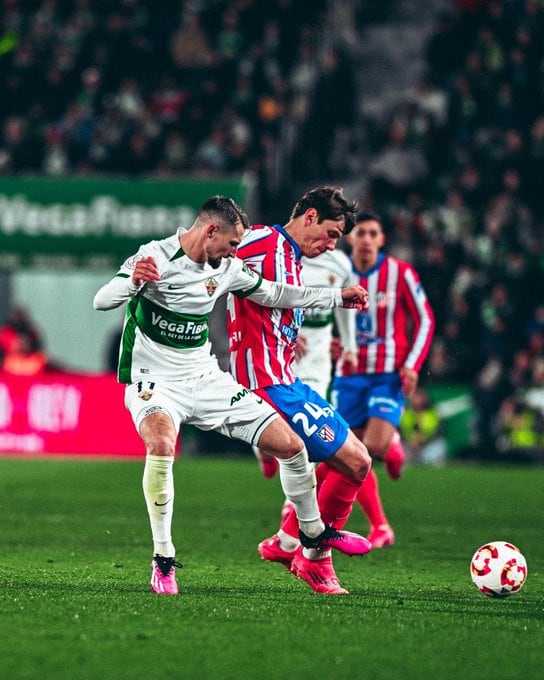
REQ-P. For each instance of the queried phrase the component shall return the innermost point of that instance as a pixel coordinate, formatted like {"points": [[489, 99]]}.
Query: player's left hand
{"points": [[301, 347], [409, 379], [336, 349], [355, 297], [350, 362]]}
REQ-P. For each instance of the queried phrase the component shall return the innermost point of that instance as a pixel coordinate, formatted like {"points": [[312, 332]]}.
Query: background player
{"points": [[313, 367], [393, 336]]}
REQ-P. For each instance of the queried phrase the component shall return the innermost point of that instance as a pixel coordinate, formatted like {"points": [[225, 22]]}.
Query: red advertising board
{"points": [[63, 413]]}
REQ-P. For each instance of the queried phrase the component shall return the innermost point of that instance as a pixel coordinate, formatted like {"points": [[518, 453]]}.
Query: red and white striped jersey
{"points": [[398, 327], [262, 339]]}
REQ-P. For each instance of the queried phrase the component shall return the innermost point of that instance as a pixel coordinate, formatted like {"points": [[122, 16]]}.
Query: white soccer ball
{"points": [[498, 569]]}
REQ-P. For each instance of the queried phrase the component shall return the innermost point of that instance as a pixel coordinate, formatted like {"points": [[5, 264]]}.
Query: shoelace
{"points": [[329, 532], [166, 564]]}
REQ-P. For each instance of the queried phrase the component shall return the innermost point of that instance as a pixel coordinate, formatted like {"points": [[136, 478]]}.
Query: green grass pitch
{"points": [[74, 570]]}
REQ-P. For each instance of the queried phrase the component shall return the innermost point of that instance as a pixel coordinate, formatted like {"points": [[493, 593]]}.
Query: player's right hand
{"points": [[145, 271]]}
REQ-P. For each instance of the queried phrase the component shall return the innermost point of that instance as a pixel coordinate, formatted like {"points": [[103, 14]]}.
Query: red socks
{"points": [[395, 457], [336, 494], [369, 500]]}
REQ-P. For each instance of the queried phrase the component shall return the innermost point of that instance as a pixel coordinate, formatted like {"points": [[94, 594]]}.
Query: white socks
{"points": [[158, 486], [298, 482]]}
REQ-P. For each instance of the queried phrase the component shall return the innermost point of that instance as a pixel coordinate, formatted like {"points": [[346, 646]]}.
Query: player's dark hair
{"points": [[330, 204], [367, 216], [370, 215], [225, 212]]}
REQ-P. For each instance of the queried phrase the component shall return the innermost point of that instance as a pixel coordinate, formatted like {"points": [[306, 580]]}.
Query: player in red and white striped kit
{"points": [[262, 350], [394, 337]]}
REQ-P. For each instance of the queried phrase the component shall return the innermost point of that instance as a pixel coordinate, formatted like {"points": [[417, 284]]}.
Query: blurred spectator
{"points": [[422, 430], [520, 428], [399, 168], [21, 345], [23, 359], [19, 324], [189, 46]]}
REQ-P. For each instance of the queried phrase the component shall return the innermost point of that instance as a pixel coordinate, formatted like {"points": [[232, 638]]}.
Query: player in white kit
{"points": [[172, 377], [313, 364]]}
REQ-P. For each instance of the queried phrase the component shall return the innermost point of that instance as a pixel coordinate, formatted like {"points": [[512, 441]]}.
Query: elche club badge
{"points": [[211, 286]]}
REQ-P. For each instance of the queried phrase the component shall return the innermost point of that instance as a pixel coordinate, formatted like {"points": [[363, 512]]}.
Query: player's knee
{"points": [[360, 461], [279, 440], [362, 465], [163, 446], [353, 459], [377, 446]]}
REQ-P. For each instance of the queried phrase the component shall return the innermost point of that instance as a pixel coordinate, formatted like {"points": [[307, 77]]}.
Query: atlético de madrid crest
{"points": [[211, 286]]}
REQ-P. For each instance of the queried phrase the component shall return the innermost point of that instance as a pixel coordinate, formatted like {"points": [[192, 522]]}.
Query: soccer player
{"points": [[312, 356], [262, 347], [393, 336], [172, 377], [313, 367], [313, 352]]}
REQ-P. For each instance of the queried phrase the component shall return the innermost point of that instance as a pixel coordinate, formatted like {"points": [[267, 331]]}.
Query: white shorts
{"points": [[214, 401]]}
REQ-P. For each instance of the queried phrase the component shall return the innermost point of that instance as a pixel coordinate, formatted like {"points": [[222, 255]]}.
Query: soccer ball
{"points": [[498, 569]]}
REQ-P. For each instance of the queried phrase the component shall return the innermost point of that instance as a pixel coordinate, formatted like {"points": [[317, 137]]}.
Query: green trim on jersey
{"points": [[122, 275], [127, 343], [179, 253], [245, 293], [318, 319]]}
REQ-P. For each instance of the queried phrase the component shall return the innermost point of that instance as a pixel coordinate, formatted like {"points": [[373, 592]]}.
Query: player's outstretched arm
{"points": [[355, 297], [274, 294]]}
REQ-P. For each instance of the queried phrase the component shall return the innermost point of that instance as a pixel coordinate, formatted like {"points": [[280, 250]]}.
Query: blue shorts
{"points": [[360, 397], [322, 429]]}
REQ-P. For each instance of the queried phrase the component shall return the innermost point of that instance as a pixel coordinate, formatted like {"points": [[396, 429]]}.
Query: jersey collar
{"points": [[370, 271], [295, 245]]}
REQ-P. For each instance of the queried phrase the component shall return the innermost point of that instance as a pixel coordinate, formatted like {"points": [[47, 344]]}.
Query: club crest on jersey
{"points": [[326, 433], [382, 299], [211, 286], [145, 393]]}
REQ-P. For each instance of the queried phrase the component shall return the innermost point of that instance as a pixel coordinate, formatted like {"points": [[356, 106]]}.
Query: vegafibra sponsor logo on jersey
{"points": [[186, 330], [169, 328]]}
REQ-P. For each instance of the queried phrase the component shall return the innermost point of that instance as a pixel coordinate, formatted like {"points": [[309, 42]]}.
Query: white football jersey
{"points": [[332, 268], [172, 314]]}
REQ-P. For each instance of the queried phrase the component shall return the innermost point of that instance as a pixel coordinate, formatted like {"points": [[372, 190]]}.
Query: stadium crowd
{"points": [[140, 88], [458, 170]]}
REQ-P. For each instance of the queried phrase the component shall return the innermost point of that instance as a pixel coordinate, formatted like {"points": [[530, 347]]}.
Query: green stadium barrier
{"points": [[84, 221], [455, 405]]}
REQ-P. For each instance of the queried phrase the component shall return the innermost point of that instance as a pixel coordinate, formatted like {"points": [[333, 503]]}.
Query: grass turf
{"points": [[74, 570]]}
